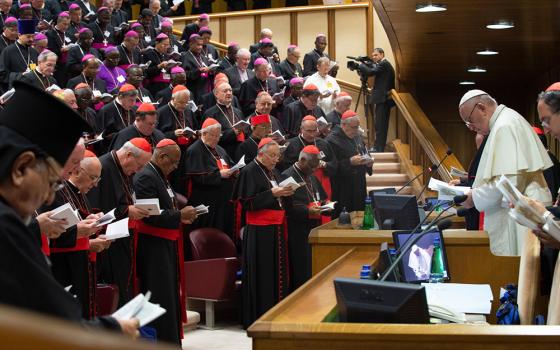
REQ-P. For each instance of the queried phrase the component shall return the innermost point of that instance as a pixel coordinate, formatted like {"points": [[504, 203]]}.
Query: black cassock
{"points": [[131, 132], [111, 119], [27, 281], [293, 115], [38, 80], [129, 57], [310, 61], [169, 120], [265, 279], [198, 83], [349, 182], [14, 60], [227, 117], [251, 88], [164, 96], [70, 255], [90, 117], [273, 64], [208, 187], [248, 148], [4, 42], [334, 118], [208, 100], [95, 84], [115, 191], [57, 39], [157, 253], [289, 70], [300, 223], [158, 79]]}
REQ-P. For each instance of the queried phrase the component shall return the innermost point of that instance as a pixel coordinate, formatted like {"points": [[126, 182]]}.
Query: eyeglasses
{"points": [[54, 184], [93, 178], [468, 122], [272, 156]]}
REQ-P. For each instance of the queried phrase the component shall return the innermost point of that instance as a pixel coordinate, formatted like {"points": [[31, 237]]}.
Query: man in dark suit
{"points": [[384, 82], [239, 73]]}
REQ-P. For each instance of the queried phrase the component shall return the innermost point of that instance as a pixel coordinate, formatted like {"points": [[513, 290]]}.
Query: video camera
{"points": [[353, 63]]}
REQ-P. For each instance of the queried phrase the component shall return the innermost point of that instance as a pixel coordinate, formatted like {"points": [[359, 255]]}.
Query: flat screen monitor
{"points": [[368, 301], [400, 211], [382, 264], [415, 266]]}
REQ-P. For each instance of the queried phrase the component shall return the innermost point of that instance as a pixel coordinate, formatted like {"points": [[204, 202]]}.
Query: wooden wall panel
{"points": [[240, 29], [350, 40], [309, 25], [280, 26]]}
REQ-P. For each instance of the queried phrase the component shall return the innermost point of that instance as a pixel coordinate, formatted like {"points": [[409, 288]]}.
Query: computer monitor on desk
{"points": [[395, 211], [367, 301]]}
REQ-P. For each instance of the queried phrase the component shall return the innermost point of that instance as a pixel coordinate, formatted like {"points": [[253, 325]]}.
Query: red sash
{"points": [[81, 244], [45, 245], [241, 137], [265, 217], [220, 165], [171, 235]]}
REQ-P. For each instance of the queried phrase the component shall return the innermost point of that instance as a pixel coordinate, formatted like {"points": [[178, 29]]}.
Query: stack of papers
{"points": [[291, 183], [118, 229], [522, 212], [149, 204], [322, 120], [241, 124], [278, 134], [445, 191], [106, 219], [188, 130], [459, 297], [201, 209], [327, 207], [457, 173], [66, 212], [192, 106], [140, 308], [239, 165]]}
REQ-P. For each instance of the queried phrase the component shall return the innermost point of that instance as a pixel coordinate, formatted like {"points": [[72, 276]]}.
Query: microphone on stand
{"points": [[460, 199], [447, 154], [462, 211], [443, 225], [430, 169]]}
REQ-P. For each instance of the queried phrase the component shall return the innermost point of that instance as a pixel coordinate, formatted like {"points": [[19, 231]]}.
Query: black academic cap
{"points": [[12, 145], [26, 26], [44, 120]]}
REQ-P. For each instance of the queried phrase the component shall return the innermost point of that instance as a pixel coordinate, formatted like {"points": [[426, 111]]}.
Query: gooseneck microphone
{"points": [[447, 154], [430, 169]]}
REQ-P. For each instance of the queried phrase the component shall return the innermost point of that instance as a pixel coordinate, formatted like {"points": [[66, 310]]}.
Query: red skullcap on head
{"points": [[266, 41], [102, 8], [179, 88], [89, 154], [309, 117], [177, 70], [311, 149], [87, 57], [554, 87], [204, 30], [135, 25], [83, 30], [349, 114], [146, 107], [260, 61], [127, 87], [265, 141], [310, 87], [220, 76], [74, 6], [141, 143], [203, 16], [232, 44], [131, 34], [10, 20], [209, 122], [166, 142], [343, 94], [194, 37], [538, 130], [260, 119], [162, 36], [81, 86], [166, 24]]}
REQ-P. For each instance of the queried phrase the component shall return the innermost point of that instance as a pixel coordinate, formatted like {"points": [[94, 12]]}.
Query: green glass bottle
{"points": [[437, 269], [369, 222]]}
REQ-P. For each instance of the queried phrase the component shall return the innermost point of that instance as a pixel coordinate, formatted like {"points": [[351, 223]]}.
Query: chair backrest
{"points": [[529, 273], [211, 243], [107, 298]]}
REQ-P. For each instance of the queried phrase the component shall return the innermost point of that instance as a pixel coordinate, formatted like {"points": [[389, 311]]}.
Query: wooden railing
{"points": [[414, 129]]}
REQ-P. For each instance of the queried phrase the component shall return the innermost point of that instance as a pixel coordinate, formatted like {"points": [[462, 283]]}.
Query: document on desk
{"points": [[459, 297]]}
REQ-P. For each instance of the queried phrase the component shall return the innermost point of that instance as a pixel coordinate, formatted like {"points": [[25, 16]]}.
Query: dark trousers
{"points": [[382, 114]]}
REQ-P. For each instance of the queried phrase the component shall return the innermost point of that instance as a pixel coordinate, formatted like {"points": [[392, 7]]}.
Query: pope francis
{"points": [[512, 149]]}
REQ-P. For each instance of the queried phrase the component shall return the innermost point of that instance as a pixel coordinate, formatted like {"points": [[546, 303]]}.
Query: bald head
{"points": [[87, 175], [167, 158]]}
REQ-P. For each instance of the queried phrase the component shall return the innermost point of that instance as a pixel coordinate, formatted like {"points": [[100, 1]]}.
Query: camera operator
{"points": [[384, 81]]}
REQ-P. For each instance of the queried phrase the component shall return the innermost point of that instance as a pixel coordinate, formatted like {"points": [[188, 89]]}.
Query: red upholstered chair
{"points": [[211, 275], [107, 298]]}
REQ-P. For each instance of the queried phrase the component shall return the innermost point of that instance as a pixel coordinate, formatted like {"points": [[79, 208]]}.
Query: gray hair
{"points": [[181, 93], [210, 128], [265, 148], [266, 32], [323, 60], [45, 55], [306, 156], [348, 120], [243, 52], [129, 147]]}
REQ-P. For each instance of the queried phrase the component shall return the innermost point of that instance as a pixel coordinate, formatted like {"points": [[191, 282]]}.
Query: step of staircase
{"points": [[386, 168], [386, 157], [406, 190], [386, 179]]}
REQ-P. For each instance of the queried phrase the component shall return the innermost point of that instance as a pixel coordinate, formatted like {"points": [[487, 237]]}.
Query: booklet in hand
{"points": [[445, 191], [141, 308], [457, 173], [239, 165], [523, 213], [66, 212], [278, 134], [106, 219], [201, 209], [328, 207], [188, 130], [291, 183], [149, 204], [241, 123], [116, 230]]}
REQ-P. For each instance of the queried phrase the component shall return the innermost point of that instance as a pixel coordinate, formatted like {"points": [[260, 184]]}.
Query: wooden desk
{"points": [[295, 323]]}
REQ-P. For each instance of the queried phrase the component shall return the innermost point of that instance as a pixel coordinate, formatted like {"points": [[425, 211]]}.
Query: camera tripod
{"points": [[363, 94]]}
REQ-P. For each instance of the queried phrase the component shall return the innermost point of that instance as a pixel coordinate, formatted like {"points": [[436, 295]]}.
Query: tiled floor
{"points": [[231, 337]]}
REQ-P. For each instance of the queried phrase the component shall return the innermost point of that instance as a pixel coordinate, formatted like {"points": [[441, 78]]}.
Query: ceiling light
{"points": [[487, 52], [465, 82], [501, 25], [430, 8], [476, 70]]}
